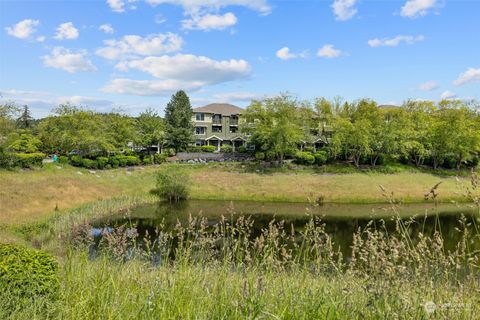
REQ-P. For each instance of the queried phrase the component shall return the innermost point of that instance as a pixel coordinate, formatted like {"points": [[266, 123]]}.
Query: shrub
{"points": [[208, 148], [195, 149], [270, 155], [147, 160], [242, 149], [172, 184], [25, 275], [63, 160], [226, 148], [309, 149], [6, 160], [160, 158], [76, 161], [89, 163], [306, 158], [132, 160], [28, 160], [171, 152], [102, 162], [113, 162], [260, 155], [321, 158]]}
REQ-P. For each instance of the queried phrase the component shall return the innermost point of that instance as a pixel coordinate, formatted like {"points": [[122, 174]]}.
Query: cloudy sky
{"points": [[133, 54]]}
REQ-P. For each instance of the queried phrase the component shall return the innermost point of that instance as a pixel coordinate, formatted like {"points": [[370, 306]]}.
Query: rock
{"points": [[92, 171], [78, 172]]}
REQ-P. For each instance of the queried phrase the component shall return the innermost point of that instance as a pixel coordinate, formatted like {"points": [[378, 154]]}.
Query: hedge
{"points": [[22, 160], [209, 148], [304, 158]]}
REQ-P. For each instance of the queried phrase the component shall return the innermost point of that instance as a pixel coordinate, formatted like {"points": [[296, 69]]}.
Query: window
{"points": [[217, 119], [200, 116], [199, 143], [233, 129], [199, 130], [216, 129]]}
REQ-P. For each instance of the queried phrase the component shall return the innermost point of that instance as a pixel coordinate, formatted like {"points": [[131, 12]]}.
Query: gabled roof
{"points": [[225, 109]]}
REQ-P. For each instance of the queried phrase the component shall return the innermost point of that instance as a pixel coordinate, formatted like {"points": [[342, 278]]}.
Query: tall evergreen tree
{"points": [[25, 121], [178, 118]]}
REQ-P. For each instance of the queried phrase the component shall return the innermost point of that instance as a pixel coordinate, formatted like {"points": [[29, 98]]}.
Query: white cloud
{"points": [[328, 51], [107, 28], [417, 8], [41, 38], [61, 58], [150, 87], [192, 6], [469, 76], [448, 95], [393, 42], [131, 46], [428, 86], [23, 29], [344, 9], [208, 22], [41, 102], [182, 71], [187, 67], [119, 5], [285, 54], [66, 31], [237, 96]]}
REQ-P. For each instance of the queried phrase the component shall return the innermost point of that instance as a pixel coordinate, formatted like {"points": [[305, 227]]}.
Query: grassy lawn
{"points": [[29, 196]]}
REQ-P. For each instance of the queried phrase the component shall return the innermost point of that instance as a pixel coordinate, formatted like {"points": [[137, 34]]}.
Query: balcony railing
{"points": [[217, 121]]}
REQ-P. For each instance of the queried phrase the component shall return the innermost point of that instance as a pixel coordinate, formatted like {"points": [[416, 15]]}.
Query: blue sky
{"points": [[133, 54]]}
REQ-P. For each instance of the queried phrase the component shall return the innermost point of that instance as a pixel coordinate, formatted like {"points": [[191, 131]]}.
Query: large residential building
{"points": [[217, 124]]}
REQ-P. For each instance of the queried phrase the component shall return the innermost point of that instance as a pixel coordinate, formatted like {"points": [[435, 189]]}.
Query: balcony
{"points": [[217, 122]]}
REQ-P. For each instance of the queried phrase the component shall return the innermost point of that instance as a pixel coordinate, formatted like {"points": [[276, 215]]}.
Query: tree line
{"points": [[361, 132]]}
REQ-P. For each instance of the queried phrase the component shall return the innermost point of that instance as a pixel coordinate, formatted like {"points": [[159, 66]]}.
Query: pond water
{"points": [[341, 220]]}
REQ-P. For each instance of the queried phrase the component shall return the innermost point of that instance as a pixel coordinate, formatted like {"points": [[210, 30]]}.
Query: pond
{"points": [[341, 220]]}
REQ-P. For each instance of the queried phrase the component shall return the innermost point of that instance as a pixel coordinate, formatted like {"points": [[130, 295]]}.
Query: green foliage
{"points": [[26, 275], [25, 121], [71, 128], [321, 157], [147, 160], [260, 156], [172, 184], [226, 148], [208, 148], [102, 162], [159, 158], [150, 128], [24, 142], [273, 124], [63, 160], [194, 149], [89, 163], [304, 158], [178, 118], [241, 149], [27, 160]]}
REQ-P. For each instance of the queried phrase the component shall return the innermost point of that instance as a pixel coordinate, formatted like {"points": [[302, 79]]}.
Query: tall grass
{"points": [[229, 271]]}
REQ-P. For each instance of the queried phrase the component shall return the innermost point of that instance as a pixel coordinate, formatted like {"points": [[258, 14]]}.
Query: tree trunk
{"points": [[356, 161], [373, 161]]}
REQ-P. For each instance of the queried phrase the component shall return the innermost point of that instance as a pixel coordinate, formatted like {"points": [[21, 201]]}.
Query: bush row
{"points": [[21, 160], [115, 161]]}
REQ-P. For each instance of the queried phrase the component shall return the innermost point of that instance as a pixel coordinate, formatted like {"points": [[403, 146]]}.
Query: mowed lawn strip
{"points": [[28, 196]]}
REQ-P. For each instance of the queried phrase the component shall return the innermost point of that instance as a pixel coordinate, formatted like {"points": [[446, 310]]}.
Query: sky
{"points": [[131, 55]]}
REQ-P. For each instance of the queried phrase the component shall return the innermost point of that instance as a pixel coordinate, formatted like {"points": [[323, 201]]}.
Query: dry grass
{"points": [[33, 195]]}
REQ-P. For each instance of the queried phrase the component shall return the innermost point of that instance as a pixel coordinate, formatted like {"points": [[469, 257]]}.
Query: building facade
{"points": [[217, 124]]}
